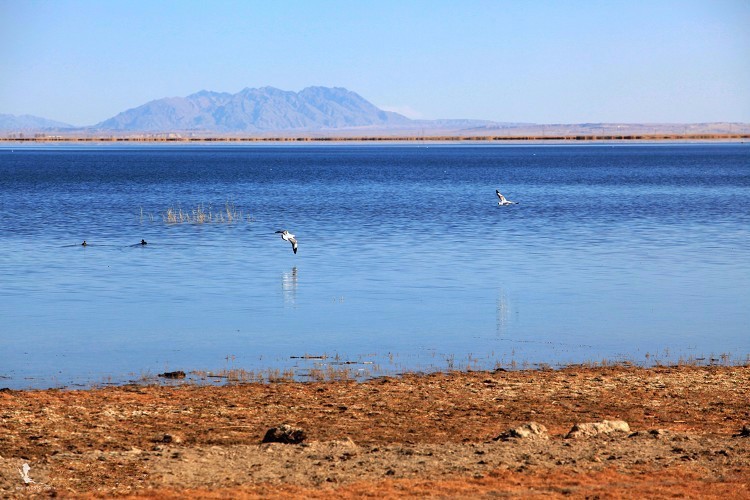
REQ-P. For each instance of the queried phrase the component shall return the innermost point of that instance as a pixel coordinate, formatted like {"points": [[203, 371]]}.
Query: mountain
{"points": [[265, 109], [28, 122], [319, 112]]}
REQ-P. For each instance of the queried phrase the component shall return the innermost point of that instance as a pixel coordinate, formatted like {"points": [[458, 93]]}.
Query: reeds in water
{"points": [[204, 215]]}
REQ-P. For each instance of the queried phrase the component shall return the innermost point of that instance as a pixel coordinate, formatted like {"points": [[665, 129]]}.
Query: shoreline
{"points": [[564, 138], [414, 435], [325, 369]]}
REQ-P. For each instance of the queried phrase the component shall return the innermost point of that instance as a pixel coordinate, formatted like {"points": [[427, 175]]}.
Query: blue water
{"points": [[405, 262]]}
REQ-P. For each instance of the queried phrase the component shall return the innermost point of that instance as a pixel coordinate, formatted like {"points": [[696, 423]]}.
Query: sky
{"points": [[537, 61]]}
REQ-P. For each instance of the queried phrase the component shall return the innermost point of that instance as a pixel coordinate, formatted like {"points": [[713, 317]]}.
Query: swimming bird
{"points": [[144, 242], [504, 202], [287, 236], [84, 243]]}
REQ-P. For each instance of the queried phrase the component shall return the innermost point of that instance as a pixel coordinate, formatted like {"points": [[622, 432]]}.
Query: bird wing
{"points": [[497, 192], [293, 241]]}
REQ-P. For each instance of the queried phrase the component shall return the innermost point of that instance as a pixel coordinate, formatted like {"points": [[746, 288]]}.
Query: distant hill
{"points": [[318, 112], [31, 123], [256, 110], [606, 129]]}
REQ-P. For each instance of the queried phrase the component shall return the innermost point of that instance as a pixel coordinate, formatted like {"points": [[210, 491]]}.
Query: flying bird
{"points": [[503, 201], [287, 236]]}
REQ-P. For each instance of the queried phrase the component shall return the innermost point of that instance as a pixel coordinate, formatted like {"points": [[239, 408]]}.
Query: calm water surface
{"points": [[405, 262]]}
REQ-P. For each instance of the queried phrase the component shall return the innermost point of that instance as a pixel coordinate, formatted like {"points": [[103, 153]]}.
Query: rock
{"points": [[529, 430], [177, 374], [343, 449], [596, 428], [167, 438], [284, 434], [653, 433], [346, 444]]}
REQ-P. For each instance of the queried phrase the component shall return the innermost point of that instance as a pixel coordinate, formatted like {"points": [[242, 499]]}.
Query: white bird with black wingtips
{"points": [[503, 201], [287, 236]]}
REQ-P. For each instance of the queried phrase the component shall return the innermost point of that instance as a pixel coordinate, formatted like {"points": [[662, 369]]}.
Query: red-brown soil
{"points": [[412, 436]]}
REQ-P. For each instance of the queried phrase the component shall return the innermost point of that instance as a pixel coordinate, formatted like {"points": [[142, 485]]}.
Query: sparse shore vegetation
{"points": [[323, 369]]}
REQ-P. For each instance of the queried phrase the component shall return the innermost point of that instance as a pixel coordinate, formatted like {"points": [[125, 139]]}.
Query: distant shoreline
{"points": [[177, 138]]}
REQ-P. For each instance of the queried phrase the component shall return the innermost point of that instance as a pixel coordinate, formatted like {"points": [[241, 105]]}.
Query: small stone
{"points": [[529, 430], [167, 439], [346, 444], [284, 434], [653, 433], [596, 428]]}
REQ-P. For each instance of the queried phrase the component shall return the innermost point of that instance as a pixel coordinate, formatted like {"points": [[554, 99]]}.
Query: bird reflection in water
{"points": [[503, 308], [289, 286]]}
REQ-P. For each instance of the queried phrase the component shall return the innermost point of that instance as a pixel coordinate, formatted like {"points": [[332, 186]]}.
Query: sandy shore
{"points": [[429, 435]]}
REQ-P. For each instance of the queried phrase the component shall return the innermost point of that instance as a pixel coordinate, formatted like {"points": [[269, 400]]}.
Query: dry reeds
{"points": [[204, 215], [240, 375]]}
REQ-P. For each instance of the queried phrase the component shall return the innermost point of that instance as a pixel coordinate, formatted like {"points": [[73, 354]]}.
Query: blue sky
{"points": [[82, 62]]}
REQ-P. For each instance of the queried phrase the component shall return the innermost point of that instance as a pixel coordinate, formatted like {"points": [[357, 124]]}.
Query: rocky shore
{"points": [[611, 432]]}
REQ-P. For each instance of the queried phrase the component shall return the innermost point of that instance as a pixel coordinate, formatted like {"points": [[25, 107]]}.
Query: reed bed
{"points": [[230, 375], [202, 214], [205, 215]]}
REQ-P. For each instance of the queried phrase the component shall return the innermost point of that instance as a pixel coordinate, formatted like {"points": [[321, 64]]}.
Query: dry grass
{"points": [[240, 375], [201, 214]]}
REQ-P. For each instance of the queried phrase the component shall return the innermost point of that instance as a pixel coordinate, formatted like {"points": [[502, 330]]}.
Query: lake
{"points": [[634, 252]]}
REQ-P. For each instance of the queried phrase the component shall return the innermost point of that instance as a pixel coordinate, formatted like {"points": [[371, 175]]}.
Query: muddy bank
{"points": [[413, 435]]}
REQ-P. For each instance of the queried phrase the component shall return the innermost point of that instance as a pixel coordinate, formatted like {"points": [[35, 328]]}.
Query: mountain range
{"points": [[28, 122], [318, 111], [256, 110]]}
